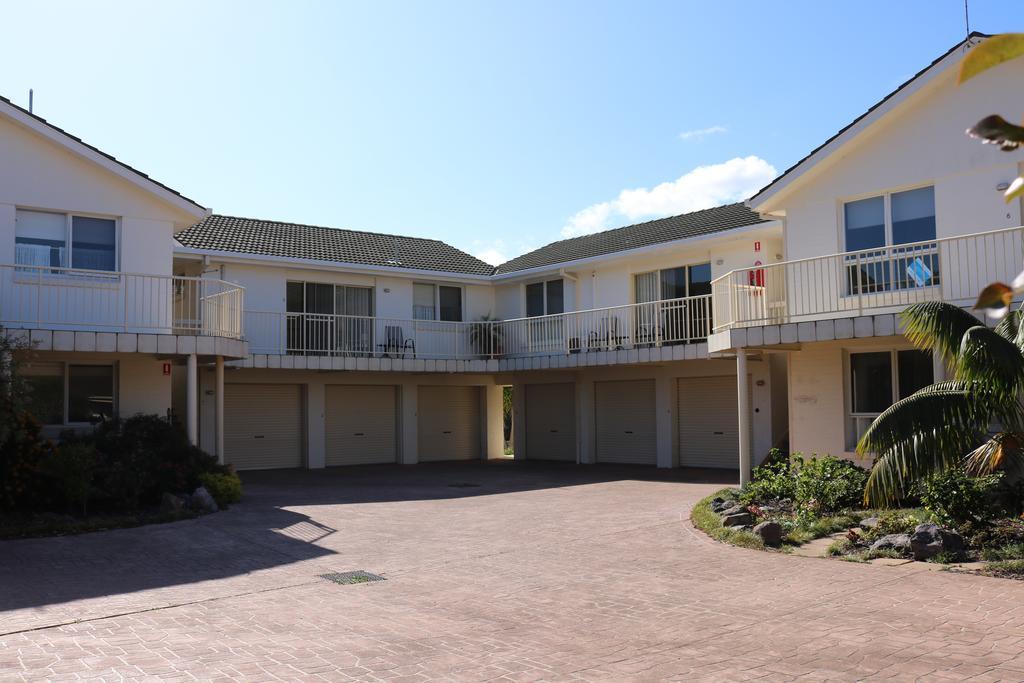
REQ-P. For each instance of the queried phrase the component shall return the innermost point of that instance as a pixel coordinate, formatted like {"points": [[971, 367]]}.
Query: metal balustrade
{"points": [[654, 323], [883, 280], [78, 299]]}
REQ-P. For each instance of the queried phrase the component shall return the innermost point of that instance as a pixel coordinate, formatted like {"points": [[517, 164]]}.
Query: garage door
{"points": [[449, 423], [360, 425], [551, 422], [708, 422], [263, 426], [625, 422]]}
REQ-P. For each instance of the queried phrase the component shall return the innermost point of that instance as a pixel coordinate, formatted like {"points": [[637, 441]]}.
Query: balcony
{"points": [[576, 335], [868, 282], [97, 301]]}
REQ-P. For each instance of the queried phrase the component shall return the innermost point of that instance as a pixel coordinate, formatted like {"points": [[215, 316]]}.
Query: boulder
{"points": [[171, 503], [738, 519], [733, 510], [770, 532], [202, 501], [898, 542], [928, 540], [869, 523], [720, 505]]}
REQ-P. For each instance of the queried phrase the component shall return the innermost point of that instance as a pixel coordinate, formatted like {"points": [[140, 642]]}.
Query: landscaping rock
{"points": [[928, 540], [202, 500], [738, 519], [720, 505], [734, 510], [869, 523], [898, 542], [770, 532], [171, 503]]}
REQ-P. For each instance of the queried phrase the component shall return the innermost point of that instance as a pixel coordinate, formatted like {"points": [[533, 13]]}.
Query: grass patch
{"points": [[35, 526], [1012, 551], [1010, 569], [711, 524], [840, 546], [823, 526]]}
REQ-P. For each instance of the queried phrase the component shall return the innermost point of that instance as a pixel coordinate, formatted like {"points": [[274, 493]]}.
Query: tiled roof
{"points": [[669, 229], [296, 241], [99, 151]]}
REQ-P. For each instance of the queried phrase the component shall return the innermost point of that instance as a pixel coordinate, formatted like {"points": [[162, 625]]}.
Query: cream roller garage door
{"points": [[625, 422], [360, 425], [263, 426], [449, 423], [708, 422], [551, 422]]}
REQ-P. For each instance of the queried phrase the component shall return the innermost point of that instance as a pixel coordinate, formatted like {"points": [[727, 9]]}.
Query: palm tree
{"points": [[950, 423]]}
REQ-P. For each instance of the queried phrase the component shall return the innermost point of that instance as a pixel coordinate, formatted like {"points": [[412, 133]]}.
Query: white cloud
{"points": [[699, 134], [491, 255], [498, 251], [701, 188]]}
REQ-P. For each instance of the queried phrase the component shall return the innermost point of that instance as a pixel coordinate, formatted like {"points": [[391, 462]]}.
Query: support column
{"points": [[519, 421], [410, 424], [663, 421], [219, 408], [743, 401], [495, 421], [192, 399], [316, 435], [585, 423]]}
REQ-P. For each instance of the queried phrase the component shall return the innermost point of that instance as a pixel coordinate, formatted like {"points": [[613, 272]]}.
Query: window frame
{"points": [[65, 366], [658, 271], [436, 286], [69, 237], [851, 418], [886, 216], [544, 297], [334, 299]]}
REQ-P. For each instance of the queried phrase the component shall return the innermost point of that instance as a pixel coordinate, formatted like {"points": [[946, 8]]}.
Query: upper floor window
{"points": [[672, 283], [545, 298], [57, 240], [315, 297], [880, 226], [436, 302]]}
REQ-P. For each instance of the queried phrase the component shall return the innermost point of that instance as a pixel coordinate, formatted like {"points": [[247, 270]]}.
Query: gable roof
{"points": [[687, 225], [76, 144], [876, 111], [312, 242]]}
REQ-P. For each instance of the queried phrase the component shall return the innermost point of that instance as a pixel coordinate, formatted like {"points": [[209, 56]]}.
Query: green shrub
{"points": [[953, 497], [71, 470], [895, 522], [770, 482], [22, 453], [226, 488], [826, 485]]}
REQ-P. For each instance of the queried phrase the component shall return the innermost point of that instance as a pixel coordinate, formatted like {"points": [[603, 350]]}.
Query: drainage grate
{"points": [[463, 485], [349, 578]]}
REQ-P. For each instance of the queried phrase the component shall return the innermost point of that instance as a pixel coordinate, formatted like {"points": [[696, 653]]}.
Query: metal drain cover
{"points": [[349, 578]]}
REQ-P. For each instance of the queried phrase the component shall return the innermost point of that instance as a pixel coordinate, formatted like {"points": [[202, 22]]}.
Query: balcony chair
{"points": [[395, 343], [606, 335]]}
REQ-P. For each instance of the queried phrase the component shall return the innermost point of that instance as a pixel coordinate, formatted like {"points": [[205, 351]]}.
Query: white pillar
{"points": [[495, 421], [663, 421], [410, 424], [519, 421], [192, 399], [316, 433], [219, 408], [743, 401], [586, 427]]}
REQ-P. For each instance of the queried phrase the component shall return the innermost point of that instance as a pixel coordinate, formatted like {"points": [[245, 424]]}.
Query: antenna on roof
{"points": [[30, 100], [967, 19]]}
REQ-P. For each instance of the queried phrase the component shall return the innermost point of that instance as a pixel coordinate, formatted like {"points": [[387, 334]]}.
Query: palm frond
{"points": [[1004, 450], [987, 357], [1009, 327], [938, 326]]}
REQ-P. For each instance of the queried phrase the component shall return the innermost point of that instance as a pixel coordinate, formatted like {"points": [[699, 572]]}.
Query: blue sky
{"points": [[497, 127]]}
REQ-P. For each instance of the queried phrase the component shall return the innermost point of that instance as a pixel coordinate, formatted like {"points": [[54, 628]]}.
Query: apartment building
{"points": [[696, 340]]}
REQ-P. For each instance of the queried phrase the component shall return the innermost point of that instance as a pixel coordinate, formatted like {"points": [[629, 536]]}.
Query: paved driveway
{"points": [[497, 571]]}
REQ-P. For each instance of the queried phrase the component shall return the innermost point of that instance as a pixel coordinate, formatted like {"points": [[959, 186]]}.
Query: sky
{"points": [[495, 126]]}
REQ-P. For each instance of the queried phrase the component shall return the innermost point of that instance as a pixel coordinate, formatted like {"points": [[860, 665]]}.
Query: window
{"points": [[56, 240], [436, 302], [677, 321], [880, 378], [545, 298], [62, 393], [877, 227], [329, 318], [672, 283]]}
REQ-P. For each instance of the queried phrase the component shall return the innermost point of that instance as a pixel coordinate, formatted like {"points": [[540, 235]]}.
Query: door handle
{"points": [[446, 431], [718, 433], [359, 434], [258, 436], [628, 431]]}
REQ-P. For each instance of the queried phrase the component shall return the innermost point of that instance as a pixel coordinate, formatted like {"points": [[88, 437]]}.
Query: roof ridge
{"points": [[327, 227]]}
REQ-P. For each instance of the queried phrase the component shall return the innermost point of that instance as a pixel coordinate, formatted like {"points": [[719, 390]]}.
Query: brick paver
{"points": [[536, 573]]}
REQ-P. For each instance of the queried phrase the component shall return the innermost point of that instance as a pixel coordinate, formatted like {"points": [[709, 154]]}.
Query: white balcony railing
{"points": [[655, 323], [953, 269], [98, 300]]}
